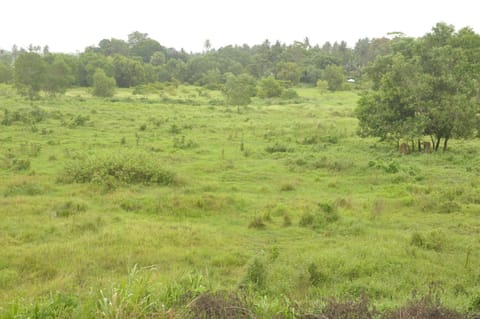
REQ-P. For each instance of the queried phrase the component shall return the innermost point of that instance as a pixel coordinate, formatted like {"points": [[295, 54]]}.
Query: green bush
{"points": [[289, 94], [103, 85], [70, 208], [256, 275], [315, 276], [125, 167], [269, 87], [277, 148], [24, 188], [326, 214]]}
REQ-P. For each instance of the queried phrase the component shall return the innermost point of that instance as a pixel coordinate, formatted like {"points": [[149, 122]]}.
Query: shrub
{"points": [[289, 94], [78, 120], [17, 164], [315, 276], [287, 187], [30, 116], [427, 307], [322, 86], [276, 148], [70, 208], [132, 299], [121, 167], [257, 222], [287, 221], [57, 305], [24, 188], [218, 306], [432, 241], [103, 85], [184, 290], [256, 275], [307, 219], [349, 309], [269, 87], [326, 214], [31, 149]]}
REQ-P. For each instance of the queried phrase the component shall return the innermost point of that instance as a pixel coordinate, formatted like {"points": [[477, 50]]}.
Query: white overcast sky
{"points": [[70, 26]]}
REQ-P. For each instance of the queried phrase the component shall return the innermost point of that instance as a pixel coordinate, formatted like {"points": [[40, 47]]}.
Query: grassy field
{"points": [[135, 205]]}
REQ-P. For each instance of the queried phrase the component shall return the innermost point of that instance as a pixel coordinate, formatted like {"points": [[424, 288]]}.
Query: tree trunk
{"points": [[437, 144], [419, 145], [413, 145], [445, 144]]}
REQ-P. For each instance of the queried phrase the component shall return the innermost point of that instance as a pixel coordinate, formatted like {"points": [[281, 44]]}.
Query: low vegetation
{"points": [[154, 207]]}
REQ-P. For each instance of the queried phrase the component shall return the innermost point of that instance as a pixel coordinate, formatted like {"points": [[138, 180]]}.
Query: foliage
{"points": [[130, 299], [426, 87], [322, 86], [30, 74], [256, 274], [238, 90], [219, 305], [59, 76], [128, 72], [122, 167], [103, 86], [289, 94], [289, 71], [269, 87], [335, 77], [6, 73]]}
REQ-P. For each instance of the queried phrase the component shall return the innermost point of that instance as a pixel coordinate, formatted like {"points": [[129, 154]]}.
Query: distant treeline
{"points": [[141, 60]]}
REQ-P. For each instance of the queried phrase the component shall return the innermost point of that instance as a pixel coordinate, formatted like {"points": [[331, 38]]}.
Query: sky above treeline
{"points": [[71, 26]]}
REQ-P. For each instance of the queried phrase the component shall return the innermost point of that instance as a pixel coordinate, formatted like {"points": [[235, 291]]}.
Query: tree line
{"points": [[142, 60]]}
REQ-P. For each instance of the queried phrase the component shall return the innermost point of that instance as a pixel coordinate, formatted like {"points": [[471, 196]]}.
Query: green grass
{"points": [[256, 196]]}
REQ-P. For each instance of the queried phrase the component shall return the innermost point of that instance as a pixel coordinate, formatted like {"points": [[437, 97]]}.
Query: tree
{"points": [[207, 45], [391, 111], [89, 62], [30, 74], [289, 71], [128, 72], [158, 58], [59, 76], [142, 46], [335, 76], [113, 46], [103, 85], [238, 90], [6, 73], [269, 87], [429, 87]]}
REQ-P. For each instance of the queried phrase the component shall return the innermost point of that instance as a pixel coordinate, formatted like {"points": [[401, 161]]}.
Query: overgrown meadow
{"points": [[146, 204]]}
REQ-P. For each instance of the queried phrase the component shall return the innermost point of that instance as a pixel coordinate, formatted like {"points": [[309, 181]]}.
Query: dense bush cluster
{"points": [[120, 168]]}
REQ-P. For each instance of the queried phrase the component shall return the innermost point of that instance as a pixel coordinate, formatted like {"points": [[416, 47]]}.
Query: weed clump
{"points": [[219, 305], [315, 276], [24, 188], [426, 307], [326, 214], [258, 223], [432, 241], [256, 275], [119, 168], [70, 208], [277, 148], [17, 164], [349, 309]]}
